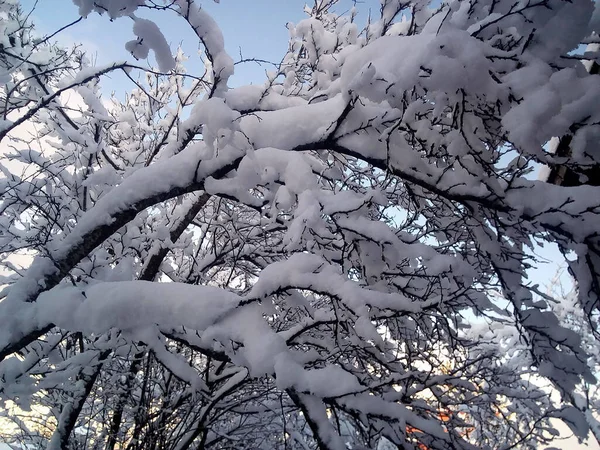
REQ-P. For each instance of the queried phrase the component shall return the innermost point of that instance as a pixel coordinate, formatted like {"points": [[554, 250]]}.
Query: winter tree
{"points": [[334, 259]]}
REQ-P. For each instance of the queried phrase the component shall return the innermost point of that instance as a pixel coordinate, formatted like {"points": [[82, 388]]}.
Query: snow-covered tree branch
{"points": [[336, 258]]}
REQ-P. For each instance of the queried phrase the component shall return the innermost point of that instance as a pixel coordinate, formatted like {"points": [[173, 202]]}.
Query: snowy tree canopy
{"points": [[333, 259]]}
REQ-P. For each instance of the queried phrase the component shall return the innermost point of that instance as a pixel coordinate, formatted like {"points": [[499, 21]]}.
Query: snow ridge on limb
{"points": [[211, 37]]}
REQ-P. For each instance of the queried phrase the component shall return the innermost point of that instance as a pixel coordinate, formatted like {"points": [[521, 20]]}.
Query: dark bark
{"points": [[149, 273], [314, 426], [70, 413], [117, 417]]}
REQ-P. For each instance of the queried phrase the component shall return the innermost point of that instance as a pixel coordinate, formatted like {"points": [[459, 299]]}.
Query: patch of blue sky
{"points": [[254, 29]]}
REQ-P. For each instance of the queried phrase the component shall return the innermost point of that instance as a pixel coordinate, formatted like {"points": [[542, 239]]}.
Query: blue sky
{"points": [[257, 27]]}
